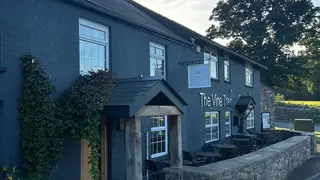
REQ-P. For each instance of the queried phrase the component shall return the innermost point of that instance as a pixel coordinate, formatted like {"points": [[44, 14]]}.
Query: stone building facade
{"points": [[267, 101]]}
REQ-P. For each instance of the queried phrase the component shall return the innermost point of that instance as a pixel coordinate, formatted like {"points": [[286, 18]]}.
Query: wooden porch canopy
{"points": [[136, 97], [144, 97], [244, 103]]}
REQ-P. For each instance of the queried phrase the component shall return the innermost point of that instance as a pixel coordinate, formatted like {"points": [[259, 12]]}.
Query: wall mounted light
{"points": [[198, 49]]}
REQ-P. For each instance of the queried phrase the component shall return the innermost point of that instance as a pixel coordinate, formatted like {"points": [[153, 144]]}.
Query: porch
{"points": [[131, 101]]}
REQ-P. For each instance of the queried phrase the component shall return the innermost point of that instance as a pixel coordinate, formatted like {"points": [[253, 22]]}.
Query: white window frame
{"points": [[211, 125], [163, 58], [248, 72], [211, 61], [250, 117], [153, 129], [228, 123], [105, 43], [226, 75]]}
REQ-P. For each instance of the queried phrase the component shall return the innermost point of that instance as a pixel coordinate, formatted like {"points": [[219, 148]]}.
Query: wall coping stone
{"points": [[259, 157]]}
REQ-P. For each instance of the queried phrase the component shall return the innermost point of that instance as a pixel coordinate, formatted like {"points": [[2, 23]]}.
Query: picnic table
{"points": [[211, 156], [226, 149]]}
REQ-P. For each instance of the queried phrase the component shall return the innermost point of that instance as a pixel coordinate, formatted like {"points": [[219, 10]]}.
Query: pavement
{"points": [[310, 170]]}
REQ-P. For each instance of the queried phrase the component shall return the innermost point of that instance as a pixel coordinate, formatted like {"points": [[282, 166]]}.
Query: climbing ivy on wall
{"points": [[46, 122]]}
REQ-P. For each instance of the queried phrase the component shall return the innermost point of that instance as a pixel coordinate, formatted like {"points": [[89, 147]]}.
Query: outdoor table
{"points": [[241, 139], [210, 155], [225, 149]]}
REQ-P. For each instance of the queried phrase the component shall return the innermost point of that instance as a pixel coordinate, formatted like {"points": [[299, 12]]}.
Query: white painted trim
{"points": [[251, 119], [228, 123], [163, 58], [105, 43], [166, 138], [213, 125], [248, 66], [226, 62], [210, 61]]}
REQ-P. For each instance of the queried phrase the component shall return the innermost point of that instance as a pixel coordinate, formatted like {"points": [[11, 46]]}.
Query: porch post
{"points": [[175, 141], [133, 149]]}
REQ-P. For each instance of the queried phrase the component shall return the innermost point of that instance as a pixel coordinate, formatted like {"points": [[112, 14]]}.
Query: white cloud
{"points": [[193, 14]]}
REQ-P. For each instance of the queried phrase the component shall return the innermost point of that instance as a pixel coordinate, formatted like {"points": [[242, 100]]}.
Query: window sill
{"points": [[214, 79], [3, 69], [229, 82], [250, 127], [211, 141], [248, 86], [159, 155]]}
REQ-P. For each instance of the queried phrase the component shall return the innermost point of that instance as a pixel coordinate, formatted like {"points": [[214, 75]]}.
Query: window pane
{"points": [[208, 133], [226, 70], [159, 52], [152, 50], [92, 57], [153, 66], [214, 71], [206, 57], [82, 62], [227, 118], [207, 118], [215, 118]]}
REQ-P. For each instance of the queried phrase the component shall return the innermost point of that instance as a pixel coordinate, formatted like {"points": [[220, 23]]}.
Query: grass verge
{"points": [[317, 133], [315, 104]]}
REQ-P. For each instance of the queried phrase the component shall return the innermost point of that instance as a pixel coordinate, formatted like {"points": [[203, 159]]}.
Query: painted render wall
{"points": [[51, 34]]}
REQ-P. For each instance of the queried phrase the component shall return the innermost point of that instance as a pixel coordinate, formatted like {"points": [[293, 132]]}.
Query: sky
{"points": [[193, 14]]}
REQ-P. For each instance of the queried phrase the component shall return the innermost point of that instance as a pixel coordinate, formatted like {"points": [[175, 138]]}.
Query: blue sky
{"points": [[191, 13]]}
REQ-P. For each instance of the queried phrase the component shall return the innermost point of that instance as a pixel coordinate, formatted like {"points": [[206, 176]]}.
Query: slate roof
{"points": [[129, 90], [245, 101], [187, 33], [124, 10]]}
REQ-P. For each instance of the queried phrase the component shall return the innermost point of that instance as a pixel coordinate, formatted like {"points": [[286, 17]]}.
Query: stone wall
{"points": [[267, 101], [274, 162], [283, 113]]}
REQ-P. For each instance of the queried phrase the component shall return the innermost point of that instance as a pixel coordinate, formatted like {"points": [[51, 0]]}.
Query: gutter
{"points": [[89, 4], [206, 40]]}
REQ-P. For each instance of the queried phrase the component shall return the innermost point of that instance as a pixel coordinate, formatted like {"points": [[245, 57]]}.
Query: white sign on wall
{"points": [[265, 120], [199, 76]]}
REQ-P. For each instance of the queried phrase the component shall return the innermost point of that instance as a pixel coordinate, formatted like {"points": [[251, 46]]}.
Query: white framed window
{"points": [[249, 75], [250, 119], [226, 71], [211, 126], [157, 60], [94, 46], [228, 123], [159, 136], [212, 59]]}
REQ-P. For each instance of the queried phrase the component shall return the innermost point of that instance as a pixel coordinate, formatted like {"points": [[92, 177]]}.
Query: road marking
{"points": [[314, 176]]}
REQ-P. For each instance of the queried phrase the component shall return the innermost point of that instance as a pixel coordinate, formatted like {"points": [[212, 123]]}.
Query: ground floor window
{"points": [[250, 119], [228, 123], [159, 137], [212, 126]]}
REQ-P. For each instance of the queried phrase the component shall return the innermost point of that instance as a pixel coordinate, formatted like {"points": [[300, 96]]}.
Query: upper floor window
{"points": [[212, 126], [157, 60], [228, 123], [212, 59], [250, 120], [249, 75], [226, 70], [159, 136], [94, 46]]}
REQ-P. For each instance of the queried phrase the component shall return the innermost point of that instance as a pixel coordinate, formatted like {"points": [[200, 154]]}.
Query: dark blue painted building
{"points": [[71, 37]]}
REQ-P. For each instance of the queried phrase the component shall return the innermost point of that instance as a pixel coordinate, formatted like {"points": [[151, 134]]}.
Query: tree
{"points": [[311, 42], [265, 30]]}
